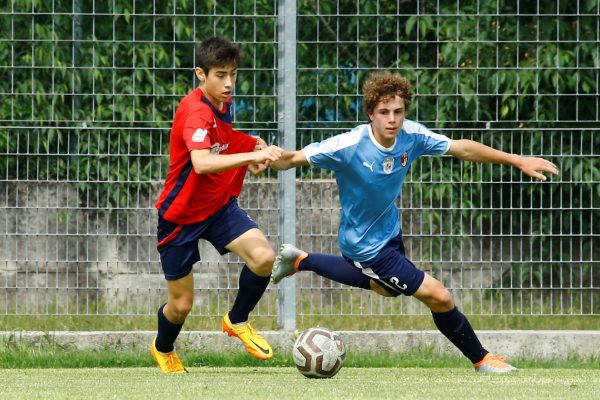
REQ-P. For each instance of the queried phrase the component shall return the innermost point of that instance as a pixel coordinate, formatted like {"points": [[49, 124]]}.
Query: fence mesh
{"points": [[90, 89]]}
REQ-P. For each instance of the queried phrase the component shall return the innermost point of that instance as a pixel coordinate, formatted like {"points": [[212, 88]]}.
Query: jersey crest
{"points": [[404, 159], [199, 135], [388, 165]]}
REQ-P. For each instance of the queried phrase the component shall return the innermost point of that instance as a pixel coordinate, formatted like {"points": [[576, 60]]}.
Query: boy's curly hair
{"points": [[383, 86]]}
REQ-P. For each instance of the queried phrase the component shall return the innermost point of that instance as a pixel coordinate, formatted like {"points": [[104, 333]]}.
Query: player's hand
{"points": [[257, 169], [260, 144], [268, 155], [534, 166]]}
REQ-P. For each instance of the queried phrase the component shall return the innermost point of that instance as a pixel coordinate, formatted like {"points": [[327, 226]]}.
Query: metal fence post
{"points": [[286, 102]]}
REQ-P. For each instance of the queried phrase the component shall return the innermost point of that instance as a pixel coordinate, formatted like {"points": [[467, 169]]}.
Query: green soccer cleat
{"points": [[287, 262]]}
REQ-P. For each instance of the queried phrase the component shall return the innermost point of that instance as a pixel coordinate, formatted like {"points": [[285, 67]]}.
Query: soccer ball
{"points": [[319, 353]]}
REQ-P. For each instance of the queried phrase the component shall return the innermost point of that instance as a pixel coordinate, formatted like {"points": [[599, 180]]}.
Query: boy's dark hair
{"points": [[384, 86], [216, 51]]}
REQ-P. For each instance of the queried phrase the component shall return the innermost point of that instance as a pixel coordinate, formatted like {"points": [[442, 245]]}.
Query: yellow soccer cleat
{"points": [[255, 344], [168, 363], [493, 364]]}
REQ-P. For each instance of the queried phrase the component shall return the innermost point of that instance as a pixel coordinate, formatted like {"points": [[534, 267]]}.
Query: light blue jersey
{"points": [[370, 178]]}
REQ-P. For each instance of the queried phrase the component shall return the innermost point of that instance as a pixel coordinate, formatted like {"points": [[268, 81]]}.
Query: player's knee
{"points": [[262, 261], [443, 299], [181, 308]]}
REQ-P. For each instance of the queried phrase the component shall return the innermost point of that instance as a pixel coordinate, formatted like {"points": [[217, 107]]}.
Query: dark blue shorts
{"points": [[178, 244], [392, 270]]}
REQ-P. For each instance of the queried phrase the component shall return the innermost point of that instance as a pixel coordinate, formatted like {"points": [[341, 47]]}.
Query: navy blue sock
{"points": [[335, 268], [167, 332], [455, 326], [251, 290]]}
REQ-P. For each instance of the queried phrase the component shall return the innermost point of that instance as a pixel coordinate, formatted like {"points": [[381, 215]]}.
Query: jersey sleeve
{"points": [[428, 142], [247, 143], [333, 153], [196, 132]]}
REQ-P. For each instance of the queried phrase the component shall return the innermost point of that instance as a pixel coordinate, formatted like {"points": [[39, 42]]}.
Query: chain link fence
{"points": [[90, 89]]}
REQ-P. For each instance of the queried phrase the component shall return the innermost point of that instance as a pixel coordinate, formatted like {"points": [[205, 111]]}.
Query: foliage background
{"points": [[89, 90]]}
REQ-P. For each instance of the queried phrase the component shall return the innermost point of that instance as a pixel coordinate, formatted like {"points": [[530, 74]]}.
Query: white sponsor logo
{"points": [[217, 148], [199, 135], [388, 165], [370, 166]]}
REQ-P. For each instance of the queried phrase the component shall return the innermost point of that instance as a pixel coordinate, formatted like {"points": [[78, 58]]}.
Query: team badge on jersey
{"points": [[388, 165], [404, 159], [199, 135]]}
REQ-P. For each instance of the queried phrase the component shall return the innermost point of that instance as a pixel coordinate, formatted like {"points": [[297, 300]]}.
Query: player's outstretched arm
{"points": [[470, 150], [204, 162], [290, 159]]}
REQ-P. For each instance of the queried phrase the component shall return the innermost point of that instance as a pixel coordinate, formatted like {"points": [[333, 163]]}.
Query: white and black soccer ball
{"points": [[319, 353]]}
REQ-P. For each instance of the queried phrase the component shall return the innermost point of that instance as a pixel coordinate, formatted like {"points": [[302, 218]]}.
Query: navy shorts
{"points": [[178, 244], [392, 270]]}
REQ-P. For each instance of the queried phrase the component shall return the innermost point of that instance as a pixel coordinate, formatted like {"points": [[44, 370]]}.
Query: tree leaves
{"points": [[131, 69]]}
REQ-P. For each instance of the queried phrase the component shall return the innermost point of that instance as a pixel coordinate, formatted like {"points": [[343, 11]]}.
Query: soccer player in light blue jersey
{"points": [[370, 164]]}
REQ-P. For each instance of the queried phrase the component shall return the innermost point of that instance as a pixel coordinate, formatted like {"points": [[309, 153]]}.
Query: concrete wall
{"points": [[62, 251], [538, 344], [60, 244]]}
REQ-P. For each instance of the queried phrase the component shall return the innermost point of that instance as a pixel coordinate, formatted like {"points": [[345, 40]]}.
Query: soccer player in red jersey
{"points": [[208, 162]]}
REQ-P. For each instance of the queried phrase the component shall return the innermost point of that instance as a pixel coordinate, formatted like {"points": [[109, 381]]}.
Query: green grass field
{"points": [[286, 383], [51, 372]]}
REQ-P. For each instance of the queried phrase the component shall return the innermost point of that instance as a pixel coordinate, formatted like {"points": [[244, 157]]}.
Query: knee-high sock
{"points": [[251, 289], [167, 332], [455, 326], [335, 268]]}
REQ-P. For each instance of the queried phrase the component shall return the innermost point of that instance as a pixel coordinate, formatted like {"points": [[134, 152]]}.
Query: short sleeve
{"points": [[196, 132], [333, 153], [428, 142], [247, 143]]}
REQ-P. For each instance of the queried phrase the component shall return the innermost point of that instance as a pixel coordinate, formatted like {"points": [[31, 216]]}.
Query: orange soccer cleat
{"points": [[255, 344], [494, 364], [168, 363]]}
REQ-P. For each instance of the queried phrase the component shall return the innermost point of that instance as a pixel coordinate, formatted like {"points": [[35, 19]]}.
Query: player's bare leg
{"points": [[180, 299]]}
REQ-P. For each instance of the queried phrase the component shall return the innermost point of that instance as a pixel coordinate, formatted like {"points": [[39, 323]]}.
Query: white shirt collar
{"points": [[379, 145]]}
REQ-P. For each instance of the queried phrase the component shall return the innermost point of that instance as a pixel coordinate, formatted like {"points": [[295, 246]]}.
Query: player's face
{"points": [[387, 120], [218, 84]]}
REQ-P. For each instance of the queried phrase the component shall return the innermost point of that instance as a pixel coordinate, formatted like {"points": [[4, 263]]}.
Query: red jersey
{"points": [[187, 197]]}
